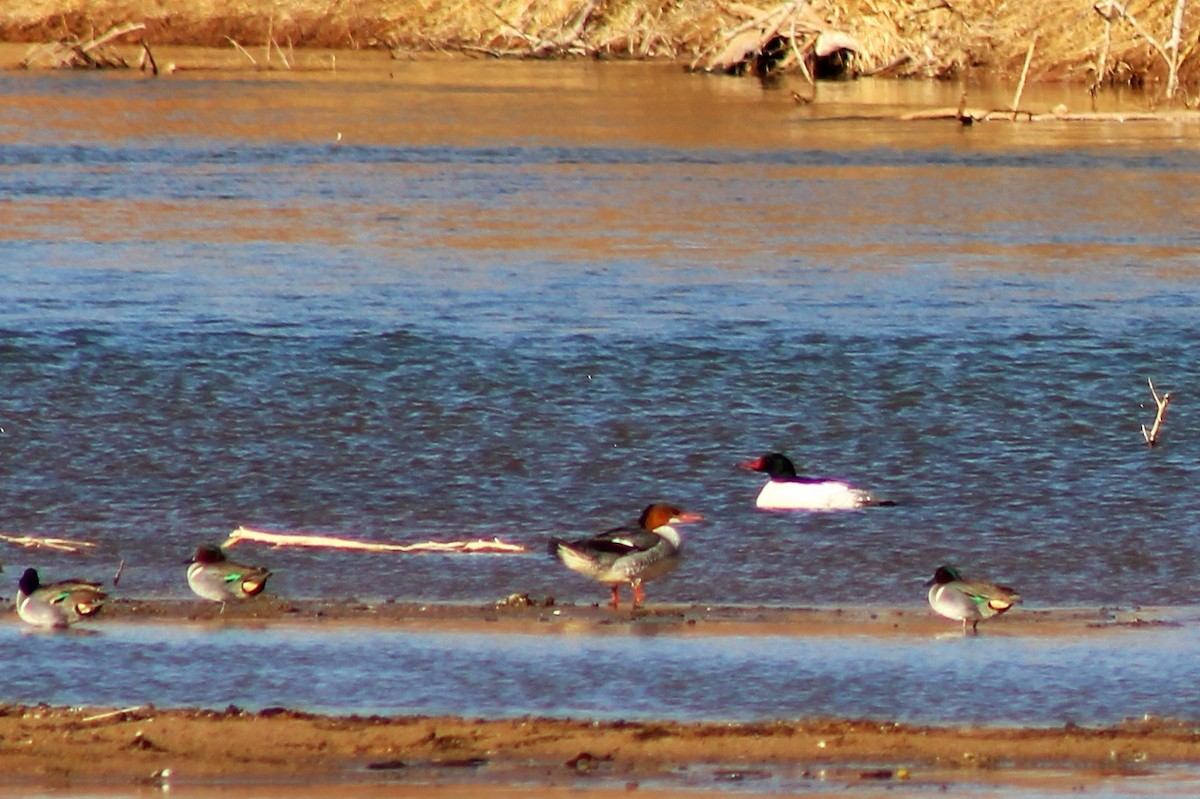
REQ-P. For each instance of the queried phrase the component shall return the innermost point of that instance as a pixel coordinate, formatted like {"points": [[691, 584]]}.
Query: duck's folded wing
{"points": [[622, 540], [997, 596], [72, 591]]}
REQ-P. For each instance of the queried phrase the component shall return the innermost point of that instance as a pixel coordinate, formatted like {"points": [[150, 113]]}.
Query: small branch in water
{"points": [[148, 60], [242, 50], [282, 55], [1151, 435], [120, 571]]}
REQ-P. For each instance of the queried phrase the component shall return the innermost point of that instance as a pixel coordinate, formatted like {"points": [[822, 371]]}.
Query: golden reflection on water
{"points": [[334, 101]]}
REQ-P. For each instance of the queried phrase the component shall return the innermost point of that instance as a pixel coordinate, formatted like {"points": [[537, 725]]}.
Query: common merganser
{"points": [[785, 490], [629, 554], [57, 605], [212, 575], [969, 600]]}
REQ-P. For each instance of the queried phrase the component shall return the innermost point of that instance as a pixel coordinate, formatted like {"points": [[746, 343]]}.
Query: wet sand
{"points": [[61, 746], [531, 614], [67, 748]]}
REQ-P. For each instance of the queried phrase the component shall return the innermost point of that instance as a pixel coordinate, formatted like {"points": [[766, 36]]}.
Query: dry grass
{"points": [[927, 38]]}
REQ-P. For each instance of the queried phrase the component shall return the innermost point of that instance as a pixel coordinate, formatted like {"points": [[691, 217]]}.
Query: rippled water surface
{"points": [[520, 300]]}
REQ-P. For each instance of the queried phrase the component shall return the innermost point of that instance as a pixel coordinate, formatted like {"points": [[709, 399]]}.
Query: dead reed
{"points": [[1134, 42]]}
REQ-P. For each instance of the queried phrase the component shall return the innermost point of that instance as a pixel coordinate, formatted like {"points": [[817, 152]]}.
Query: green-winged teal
{"points": [[58, 604], [212, 575], [970, 601]]}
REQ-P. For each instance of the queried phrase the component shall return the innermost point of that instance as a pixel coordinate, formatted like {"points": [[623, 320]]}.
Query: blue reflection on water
{"points": [[1093, 679]]}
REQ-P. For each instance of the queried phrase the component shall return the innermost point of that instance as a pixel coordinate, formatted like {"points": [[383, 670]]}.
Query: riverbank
{"points": [[147, 745], [889, 37], [197, 749], [70, 748]]}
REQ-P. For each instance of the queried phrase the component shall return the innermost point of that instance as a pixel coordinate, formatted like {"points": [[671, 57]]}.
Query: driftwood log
{"points": [[57, 544], [791, 35], [968, 116], [73, 53], [277, 539]]}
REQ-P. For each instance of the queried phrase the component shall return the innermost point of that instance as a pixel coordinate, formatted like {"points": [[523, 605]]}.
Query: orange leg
{"points": [[616, 597], [639, 593]]}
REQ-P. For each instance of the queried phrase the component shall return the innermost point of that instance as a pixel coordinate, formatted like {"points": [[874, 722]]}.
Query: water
{"points": [[432, 300], [524, 300], [993, 680]]}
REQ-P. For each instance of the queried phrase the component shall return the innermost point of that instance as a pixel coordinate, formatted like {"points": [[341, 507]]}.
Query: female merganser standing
{"points": [[969, 600], [57, 605], [213, 576], [629, 554], [785, 490]]}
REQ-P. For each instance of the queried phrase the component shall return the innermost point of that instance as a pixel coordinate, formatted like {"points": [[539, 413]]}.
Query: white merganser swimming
{"points": [[629, 554], [785, 490], [969, 600]]}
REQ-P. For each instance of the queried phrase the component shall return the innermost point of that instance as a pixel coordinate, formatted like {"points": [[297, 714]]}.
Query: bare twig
{"points": [[283, 57], [148, 59], [1151, 435], [1108, 11], [800, 59], [242, 50], [113, 33], [120, 571]]}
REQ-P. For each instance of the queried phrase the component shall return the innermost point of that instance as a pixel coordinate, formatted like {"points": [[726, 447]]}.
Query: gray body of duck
{"points": [[59, 604], [212, 575], [630, 554], [970, 601]]}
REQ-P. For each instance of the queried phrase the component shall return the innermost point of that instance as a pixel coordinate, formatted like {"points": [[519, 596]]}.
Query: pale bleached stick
{"points": [[243, 51], [113, 33], [1151, 435], [61, 544], [1016, 103], [113, 713], [333, 542]]}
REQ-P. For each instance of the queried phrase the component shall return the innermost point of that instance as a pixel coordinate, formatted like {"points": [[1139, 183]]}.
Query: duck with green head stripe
{"points": [[57, 605], [970, 601], [212, 575]]}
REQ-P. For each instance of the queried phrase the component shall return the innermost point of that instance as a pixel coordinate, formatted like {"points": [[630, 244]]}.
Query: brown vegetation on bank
{"points": [[1129, 42]]}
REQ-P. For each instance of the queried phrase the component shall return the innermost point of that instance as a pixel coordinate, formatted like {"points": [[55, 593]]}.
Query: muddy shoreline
{"points": [[145, 745]]}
